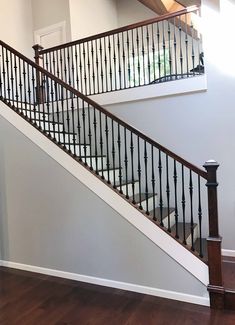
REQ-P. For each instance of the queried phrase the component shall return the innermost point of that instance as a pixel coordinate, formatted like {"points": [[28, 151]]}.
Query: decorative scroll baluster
{"points": [[82, 89], [79, 129], [191, 209], [153, 51], [148, 53], [146, 177], [90, 134], [119, 61], [186, 44], [160, 185], [97, 67], [93, 68], [200, 217], [88, 68], [176, 204], [153, 183], [158, 51], [110, 64], [85, 69], [175, 49], [183, 202], [119, 159], [169, 47], [107, 147], [164, 48], [115, 61], [132, 168], [113, 155], [139, 171], [126, 163], [128, 60], [124, 62], [95, 136], [168, 195], [138, 54], [101, 67], [101, 145], [193, 51], [180, 44], [105, 65], [84, 131], [143, 56], [133, 58]]}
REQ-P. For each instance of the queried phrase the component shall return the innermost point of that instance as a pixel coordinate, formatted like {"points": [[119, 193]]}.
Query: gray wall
{"points": [[200, 126], [49, 219]]}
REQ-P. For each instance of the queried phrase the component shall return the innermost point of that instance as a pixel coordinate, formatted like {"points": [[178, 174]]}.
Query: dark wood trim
{"points": [[110, 115], [123, 29], [215, 287]]}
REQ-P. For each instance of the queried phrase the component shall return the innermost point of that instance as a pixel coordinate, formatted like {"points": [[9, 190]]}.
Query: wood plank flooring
{"points": [[27, 298]]}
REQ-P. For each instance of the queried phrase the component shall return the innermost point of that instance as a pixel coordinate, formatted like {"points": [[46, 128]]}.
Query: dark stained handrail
{"points": [[112, 116], [122, 29]]}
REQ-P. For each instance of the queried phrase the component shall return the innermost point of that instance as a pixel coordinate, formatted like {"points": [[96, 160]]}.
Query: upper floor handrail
{"points": [[122, 29]]}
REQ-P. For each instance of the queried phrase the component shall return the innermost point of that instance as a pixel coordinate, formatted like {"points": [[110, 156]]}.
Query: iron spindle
{"points": [[79, 129], [176, 201], [89, 68], [168, 195], [95, 138], [183, 202], [153, 181], [191, 209], [113, 155], [139, 171], [101, 144], [146, 177], [89, 134], [180, 45], [119, 159], [107, 147], [126, 163], [160, 185], [132, 167], [200, 217]]}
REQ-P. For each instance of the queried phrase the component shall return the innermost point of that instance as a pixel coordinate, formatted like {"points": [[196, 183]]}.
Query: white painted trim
{"points": [[228, 252], [111, 283], [177, 87], [168, 244], [61, 26]]}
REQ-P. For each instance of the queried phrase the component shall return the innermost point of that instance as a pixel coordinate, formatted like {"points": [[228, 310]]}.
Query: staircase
{"points": [[164, 187]]}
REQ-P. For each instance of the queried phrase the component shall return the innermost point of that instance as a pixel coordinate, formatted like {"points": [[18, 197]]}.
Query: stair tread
{"points": [[181, 229], [117, 183], [59, 132], [141, 197]]}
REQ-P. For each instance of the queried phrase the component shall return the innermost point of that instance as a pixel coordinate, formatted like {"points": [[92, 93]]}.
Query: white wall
{"points": [[16, 24], [201, 126], [132, 11], [50, 12], [89, 17]]}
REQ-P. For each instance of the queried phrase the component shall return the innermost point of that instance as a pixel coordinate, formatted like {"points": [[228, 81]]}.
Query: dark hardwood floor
{"points": [[28, 298]]}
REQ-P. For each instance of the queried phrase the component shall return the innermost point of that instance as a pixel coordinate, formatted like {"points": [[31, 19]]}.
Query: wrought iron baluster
{"points": [[126, 163], [160, 185], [119, 159], [153, 181], [113, 155], [168, 192], [139, 171], [176, 201], [132, 167], [107, 147], [191, 209], [183, 206], [200, 217], [146, 177], [95, 138]]}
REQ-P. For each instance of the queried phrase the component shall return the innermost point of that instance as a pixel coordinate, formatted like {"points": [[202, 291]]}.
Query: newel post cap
{"points": [[211, 164], [37, 47]]}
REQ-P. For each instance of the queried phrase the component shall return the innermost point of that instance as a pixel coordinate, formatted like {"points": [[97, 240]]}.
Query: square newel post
{"points": [[215, 287], [39, 82]]}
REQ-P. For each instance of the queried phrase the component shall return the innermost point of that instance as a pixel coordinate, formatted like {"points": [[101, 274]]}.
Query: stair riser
{"points": [[128, 188], [47, 126], [111, 175], [172, 220], [67, 138], [195, 236], [79, 150], [92, 162], [151, 204]]}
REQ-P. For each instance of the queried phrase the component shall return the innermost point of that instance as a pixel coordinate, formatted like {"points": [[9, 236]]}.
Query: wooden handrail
{"points": [[122, 29], [89, 101]]}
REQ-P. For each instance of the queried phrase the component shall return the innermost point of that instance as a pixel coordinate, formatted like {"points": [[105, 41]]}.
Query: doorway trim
{"points": [[61, 27]]}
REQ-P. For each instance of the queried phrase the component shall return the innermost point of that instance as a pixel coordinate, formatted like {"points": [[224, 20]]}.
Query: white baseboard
{"points": [[199, 300], [228, 252]]}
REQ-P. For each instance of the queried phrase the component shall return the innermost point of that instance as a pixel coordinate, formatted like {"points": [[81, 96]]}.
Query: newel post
{"points": [[39, 83], [215, 287]]}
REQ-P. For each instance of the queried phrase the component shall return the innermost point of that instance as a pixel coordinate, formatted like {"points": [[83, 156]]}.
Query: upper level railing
{"points": [[156, 50], [134, 165]]}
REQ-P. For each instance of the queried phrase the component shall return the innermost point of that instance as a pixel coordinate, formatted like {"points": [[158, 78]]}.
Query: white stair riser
{"points": [[92, 162], [47, 126], [172, 220], [36, 115], [151, 204], [79, 150], [67, 138], [112, 172], [195, 236], [128, 188]]}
